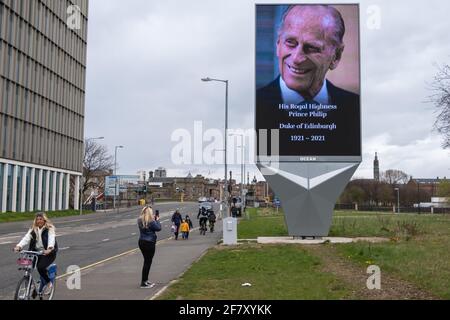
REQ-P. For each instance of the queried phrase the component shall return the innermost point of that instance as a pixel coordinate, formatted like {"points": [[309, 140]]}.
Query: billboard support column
{"points": [[308, 192]]}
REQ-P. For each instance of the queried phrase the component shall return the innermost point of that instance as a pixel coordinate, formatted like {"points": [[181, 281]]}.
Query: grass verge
{"points": [[274, 272], [417, 254], [25, 216], [418, 250]]}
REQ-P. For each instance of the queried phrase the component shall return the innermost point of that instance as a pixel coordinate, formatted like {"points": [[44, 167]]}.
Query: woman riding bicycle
{"points": [[41, 237]]}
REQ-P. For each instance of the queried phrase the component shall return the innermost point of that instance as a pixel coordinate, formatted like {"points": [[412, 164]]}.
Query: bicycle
{"points": [[26, 288], [211, 225], [203, 227]]}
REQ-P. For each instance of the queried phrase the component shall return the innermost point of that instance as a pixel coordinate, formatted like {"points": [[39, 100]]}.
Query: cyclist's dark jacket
{"points": [[212, 216], [202, 214], [149, 233], [44, 237]]}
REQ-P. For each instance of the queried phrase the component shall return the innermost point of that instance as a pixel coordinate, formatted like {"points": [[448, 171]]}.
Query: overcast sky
{"points": [[146, 59]]}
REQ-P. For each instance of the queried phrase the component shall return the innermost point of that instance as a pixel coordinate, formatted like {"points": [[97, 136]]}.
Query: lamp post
{"points": [[398, 199], [222, 196], [226, 130], [242, 147], [418, 196], [115, 174], [82, 177]]}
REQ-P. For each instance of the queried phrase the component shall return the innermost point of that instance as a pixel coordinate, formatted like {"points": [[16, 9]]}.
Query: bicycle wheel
{"points": [[48, 295], [22, 287]]}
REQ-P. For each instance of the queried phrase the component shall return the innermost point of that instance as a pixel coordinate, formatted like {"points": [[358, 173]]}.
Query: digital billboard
{"points": [[308, 81]]}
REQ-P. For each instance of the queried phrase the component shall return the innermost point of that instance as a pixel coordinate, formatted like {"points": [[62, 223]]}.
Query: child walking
{"points": [[184, 228]]}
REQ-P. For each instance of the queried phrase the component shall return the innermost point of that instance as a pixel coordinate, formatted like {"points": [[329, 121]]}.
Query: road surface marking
{"points": [[9, 242], [65, 248], [108, 259], [97, 263], [104, 240], [10, 238]]}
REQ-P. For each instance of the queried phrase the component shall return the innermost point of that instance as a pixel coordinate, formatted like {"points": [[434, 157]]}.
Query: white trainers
{"points": [[147, 285], [48, 288]]}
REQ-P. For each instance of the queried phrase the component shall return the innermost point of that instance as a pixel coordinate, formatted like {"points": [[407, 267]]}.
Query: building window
{"points": [[44, 188], [1, 176], [50, 193], [28, 188], [20, 180], [9, 187], [64, 191]]}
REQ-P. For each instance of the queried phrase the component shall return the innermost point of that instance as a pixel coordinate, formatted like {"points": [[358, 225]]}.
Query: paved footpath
{"points": [[119, 278]]}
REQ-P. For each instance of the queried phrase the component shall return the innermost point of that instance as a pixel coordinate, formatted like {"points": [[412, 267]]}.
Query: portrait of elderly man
{"points": [[310, 44]]}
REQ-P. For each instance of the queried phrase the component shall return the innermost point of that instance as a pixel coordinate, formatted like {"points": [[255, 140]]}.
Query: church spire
{"points": [[376, 168]]}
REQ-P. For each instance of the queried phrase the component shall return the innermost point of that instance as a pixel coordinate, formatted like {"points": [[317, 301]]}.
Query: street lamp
{"points": [[115, 174], [222, 196], [398, 199], [82, 177], [226, 130], [242, 147]]}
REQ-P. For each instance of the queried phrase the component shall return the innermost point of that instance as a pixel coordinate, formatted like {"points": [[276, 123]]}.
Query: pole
{"points": [[398, 200], [418, 196], [242, 173], [81, 200], [226, 134], [115, 177]]}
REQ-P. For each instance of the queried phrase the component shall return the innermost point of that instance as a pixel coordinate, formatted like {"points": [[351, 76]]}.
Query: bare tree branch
{"points": [[441, 99], [96, 162], [394, 177]]}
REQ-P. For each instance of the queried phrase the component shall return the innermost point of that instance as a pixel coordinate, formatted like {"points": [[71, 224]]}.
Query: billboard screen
{"points": [[308, 80]]}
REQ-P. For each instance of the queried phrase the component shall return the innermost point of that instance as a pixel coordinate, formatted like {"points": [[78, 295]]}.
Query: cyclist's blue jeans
{"points": [[43, 263]]}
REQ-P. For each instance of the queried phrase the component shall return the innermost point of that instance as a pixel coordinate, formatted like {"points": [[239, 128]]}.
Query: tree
{"points": [[96, 162], [353, 194], [394, 177], [385, 195], [444, 188], [441, 99]]}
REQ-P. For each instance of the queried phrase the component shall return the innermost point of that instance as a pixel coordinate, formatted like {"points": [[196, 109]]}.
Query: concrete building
{"points": [[160, 173], [42, 94]]}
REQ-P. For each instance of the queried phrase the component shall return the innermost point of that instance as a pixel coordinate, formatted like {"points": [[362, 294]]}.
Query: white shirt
{"points": [[293, 97], [39, 245]]}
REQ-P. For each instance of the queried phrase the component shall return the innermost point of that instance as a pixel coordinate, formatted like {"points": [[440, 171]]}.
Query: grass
{"points": [[418, 251], [262, 222], [25, 216], [274, 272]]}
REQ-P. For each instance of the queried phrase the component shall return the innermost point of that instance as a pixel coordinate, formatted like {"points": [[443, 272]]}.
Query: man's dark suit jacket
{"points": [[344, 141]]}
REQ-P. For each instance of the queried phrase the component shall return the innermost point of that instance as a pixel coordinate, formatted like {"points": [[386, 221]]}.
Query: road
{"points": [[84, 240]]}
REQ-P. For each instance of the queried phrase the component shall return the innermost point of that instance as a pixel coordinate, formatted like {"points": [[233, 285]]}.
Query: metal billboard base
{"points": [[308, 192]]}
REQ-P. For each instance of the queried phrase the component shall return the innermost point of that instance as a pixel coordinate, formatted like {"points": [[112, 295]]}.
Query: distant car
{"points": [[202, 199], [206, 205]]}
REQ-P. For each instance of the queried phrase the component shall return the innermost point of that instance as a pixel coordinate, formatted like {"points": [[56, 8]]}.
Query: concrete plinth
{"points": [[293, 240]]}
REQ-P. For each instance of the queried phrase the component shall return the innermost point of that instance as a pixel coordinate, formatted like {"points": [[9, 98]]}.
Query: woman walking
{"points": [[148, 226]]}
